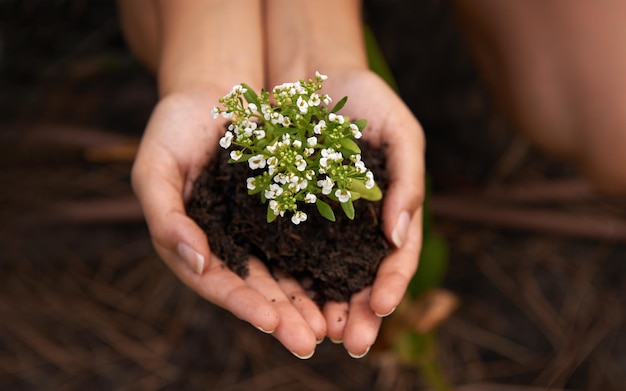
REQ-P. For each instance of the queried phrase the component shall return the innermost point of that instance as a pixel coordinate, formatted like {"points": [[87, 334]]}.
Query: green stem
{"points": [[433, 375]]}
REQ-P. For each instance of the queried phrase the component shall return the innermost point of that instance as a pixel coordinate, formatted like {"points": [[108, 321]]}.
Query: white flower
{"points": [[314, 100], [320, 127], [273, 192], [281, 178], [320, 77], [326, 185], [300, 163], [227, 114], [326, 99], [308, 151], [310, 198], [300, 182], [338, 118], [277, 118], [226, 140], [302, 105], [311, 141], [251, 182], [238, 89], [215, 112], [256, 161], [343, 195], [286, 139], [252, 107], [355, 131], [272, 148], [285, 121], [329, 154], [275, 207], [298, 217], [360, 167], [259, 134], [297, 143], [236, 155], [369, 183]]}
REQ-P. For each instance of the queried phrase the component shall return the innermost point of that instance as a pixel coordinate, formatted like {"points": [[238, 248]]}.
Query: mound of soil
{"points": [[332, 259]]}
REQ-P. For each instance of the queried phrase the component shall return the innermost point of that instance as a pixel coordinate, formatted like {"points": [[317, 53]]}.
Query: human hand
{"points": [[180, 139], [391, 126], [327, 36]]}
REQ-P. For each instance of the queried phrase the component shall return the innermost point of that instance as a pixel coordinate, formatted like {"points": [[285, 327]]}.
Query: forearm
{"points": [[305, 36], [194, 44], [214, 43]]}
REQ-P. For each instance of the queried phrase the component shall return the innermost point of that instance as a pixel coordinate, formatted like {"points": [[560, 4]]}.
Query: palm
{"points": [[392, 126], [180, 139]]}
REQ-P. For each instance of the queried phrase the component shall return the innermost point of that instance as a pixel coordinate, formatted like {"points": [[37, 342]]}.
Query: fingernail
{"points": [[193, 259], [336, 341], [387, 314], [398, 235], [304, 357], [359, 355], [263, 330], [319, 341]]}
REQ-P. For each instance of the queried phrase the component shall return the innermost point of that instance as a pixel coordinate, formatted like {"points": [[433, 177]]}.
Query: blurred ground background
{"points": [[537, 259]]}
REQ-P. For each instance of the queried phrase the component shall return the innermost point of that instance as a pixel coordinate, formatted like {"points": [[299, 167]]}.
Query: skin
{"points": [[196, 63], [557, 69], [327, 35]]}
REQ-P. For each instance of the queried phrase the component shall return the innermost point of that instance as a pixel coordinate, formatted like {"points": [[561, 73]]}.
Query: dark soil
{"points": [[333, 259]]}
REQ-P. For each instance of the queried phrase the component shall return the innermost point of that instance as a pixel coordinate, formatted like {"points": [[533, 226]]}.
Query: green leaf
{"points": [[348, 209], [373, 194], [433, 265], [360, 123], [339, 105], [271, 216], [376, 59], [350, 145], [325, 210], [250, 95]]}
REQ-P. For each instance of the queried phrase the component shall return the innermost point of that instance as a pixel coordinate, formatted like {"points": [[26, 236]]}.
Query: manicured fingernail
{"points": [[304, 357], [387, 314], [359, 355], [193, 259], [263, 330], [398, 235]]}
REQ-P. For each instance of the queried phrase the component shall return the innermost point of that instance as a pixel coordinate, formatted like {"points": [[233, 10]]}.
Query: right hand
{"points": [[180, 139]]}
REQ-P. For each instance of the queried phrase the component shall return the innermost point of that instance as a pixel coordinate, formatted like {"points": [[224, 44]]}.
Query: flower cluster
{"points": [[298, 149]]}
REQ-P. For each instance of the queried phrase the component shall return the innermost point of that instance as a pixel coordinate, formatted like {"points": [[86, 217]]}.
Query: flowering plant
{"points": [[300, 150]]}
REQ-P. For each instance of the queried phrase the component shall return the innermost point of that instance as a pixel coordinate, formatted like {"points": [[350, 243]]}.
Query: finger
{"points": [[405, 165], [396, 271], [293, 331], [362, 326], [309, 310], [336, 315], [158, 186], [183, 245]]}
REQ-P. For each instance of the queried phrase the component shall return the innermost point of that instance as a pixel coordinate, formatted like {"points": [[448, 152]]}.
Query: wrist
{"points": [[305, 36], [200, 49]]}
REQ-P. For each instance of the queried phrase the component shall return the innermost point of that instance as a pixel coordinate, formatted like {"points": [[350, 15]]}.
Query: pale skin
{"points": [[558, 69], [198, 56], [538, 57]]}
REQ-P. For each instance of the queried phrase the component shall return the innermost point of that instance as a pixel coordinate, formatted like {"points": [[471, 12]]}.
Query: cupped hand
{"points": [[180, 139], [391, 126]]}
